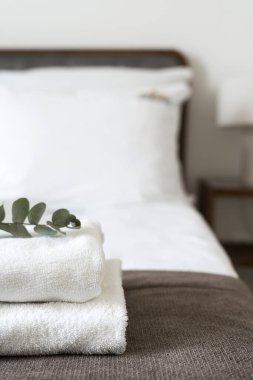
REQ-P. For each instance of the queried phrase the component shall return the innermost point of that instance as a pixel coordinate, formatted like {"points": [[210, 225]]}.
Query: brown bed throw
{"points": [[181, 326]]}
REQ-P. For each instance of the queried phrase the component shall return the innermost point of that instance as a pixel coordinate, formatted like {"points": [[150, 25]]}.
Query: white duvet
{"points": [[160, 236]]}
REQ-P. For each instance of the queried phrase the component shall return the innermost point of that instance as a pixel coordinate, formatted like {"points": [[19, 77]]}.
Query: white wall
{"points": [[215, 34]]}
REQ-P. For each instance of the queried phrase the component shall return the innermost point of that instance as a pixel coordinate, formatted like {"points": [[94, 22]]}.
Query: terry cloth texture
{"points": [[53, 269], [94, 327]]}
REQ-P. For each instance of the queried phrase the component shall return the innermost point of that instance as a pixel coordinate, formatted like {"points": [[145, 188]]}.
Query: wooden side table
{"points": [[208, 193]]}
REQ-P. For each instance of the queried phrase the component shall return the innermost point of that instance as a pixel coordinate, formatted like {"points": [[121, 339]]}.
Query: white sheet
{"points": [[160, 236], [157, 236]]}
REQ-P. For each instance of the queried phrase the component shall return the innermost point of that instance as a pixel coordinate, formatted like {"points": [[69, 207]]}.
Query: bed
{"points": [[190, 317]]}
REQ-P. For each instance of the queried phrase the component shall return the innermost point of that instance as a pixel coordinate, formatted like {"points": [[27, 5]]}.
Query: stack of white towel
{"points": [[59, 295]]}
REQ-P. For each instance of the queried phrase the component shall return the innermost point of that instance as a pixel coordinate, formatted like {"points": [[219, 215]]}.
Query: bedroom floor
{"points": [[246, 274]]}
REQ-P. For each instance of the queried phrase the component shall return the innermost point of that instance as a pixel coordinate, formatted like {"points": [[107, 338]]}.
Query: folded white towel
{"points": [[53, 269], [94, 327]]}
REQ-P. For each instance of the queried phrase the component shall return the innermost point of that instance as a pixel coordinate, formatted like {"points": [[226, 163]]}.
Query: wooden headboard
{"points": [[24, 59]]}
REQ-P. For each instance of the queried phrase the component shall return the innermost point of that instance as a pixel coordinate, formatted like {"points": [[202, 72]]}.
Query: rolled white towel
{"points": [[94, 327], [44, 269]]}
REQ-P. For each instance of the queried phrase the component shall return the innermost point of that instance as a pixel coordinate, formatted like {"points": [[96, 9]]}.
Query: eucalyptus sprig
{"points": [[21, 212]]}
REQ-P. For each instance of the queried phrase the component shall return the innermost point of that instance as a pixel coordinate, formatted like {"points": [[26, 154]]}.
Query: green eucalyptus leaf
{"points": [[78, 223], [56, 227], [45, 230], [73, 222], [20, 209], [5, 227], [60, 217], [2, 213], [36, 212], [18, 230]]}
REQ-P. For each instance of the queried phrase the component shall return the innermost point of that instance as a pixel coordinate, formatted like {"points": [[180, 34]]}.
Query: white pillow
{"points": [[84, 147], [59, 78]]}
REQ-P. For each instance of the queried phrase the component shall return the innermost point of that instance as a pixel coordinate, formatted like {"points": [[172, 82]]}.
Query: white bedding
{"points": [[111, 148], [156, 236], [102, 146], [160, 236]]}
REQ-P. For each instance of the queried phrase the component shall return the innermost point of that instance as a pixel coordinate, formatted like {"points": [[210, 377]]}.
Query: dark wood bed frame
{"points": [[149, 58]]}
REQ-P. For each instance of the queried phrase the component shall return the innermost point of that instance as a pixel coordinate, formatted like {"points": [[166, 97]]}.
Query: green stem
{"points": [[28, 224], [6, 227]]}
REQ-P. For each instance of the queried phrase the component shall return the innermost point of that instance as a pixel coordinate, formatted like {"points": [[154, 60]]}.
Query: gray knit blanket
{"points": [[181, 326]]}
